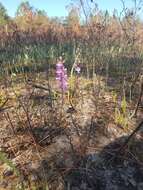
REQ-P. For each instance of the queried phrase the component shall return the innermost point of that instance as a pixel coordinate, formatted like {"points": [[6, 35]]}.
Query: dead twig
{"points": [[40, 87], [130, 136], [1, 107], [133, 84], [138, 102], [7, 116]]}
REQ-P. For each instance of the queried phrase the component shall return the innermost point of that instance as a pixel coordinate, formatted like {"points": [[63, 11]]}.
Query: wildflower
{"points": [[13, 75], [61, 74], [77, 68], [76, 65]]}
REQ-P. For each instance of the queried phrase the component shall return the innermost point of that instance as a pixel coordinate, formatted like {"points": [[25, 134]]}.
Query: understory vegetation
{"points": [[71, 98]]}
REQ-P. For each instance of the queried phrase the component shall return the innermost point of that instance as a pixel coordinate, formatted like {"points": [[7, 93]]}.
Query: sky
{"points": [[58, 7], [52, 7]]}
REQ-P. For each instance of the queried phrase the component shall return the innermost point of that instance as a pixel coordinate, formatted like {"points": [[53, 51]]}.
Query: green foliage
{"points": [[71, 82], [120, 119], [3, 15], [2, 99], [4, 159], [73, 17], [41, 13], [124, 105], [121, 116], [23, 8], [114, 96]]}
